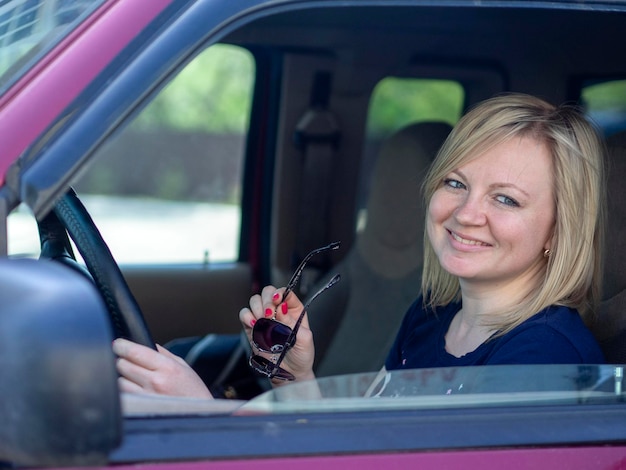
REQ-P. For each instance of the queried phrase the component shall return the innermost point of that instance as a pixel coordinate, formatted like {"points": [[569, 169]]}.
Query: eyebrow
{"points": [[508, 185], [496, 185]]}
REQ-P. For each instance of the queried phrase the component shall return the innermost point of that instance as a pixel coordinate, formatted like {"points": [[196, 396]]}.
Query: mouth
{"points": [[466, 241]]}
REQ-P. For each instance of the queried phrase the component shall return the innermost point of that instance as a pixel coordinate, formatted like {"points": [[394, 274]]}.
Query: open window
{"points": [[180, 160]]}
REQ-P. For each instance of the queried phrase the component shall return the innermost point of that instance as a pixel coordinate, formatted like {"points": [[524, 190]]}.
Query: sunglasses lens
{"points": [[265, 367], [270, 335]]}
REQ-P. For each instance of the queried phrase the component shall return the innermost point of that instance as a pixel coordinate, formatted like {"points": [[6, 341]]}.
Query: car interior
{"points": [[312, 170]]}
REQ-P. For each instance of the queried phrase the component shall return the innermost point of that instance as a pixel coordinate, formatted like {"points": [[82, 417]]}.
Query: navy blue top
{"points": [[556, 335]]}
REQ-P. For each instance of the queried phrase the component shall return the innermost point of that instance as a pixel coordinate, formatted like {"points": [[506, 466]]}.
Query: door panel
{"points": [[181, 301]]}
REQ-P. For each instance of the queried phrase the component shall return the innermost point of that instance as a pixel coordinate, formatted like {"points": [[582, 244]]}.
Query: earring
{"points": [[546, 253]]}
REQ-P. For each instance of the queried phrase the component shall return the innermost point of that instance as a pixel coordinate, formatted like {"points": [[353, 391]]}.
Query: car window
{"points": [[22, 235], [447, 387], [178, 162], [605, 104], [31, 27], [397, 102], [436, 388]]}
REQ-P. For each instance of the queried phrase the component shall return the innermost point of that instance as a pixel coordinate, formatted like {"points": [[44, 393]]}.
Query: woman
{"points": [[512, 248]]}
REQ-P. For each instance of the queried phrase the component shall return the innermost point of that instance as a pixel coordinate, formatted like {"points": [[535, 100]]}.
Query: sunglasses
{"points": [[272, 336]]}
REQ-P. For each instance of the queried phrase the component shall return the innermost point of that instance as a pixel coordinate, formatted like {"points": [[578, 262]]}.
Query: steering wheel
{"points": [[69, 216]]}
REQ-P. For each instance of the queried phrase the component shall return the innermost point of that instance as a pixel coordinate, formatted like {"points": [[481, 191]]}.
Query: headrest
{"points": [[391, 242]]}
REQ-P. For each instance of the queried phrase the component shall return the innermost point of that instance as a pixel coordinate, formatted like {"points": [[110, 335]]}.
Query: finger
{"points": [[132, 372], [276, 295], [127, 386], [136, 353], [268, 293], [246, 318], [290, 308], [256, 306], [271, 299], [262, 306]]}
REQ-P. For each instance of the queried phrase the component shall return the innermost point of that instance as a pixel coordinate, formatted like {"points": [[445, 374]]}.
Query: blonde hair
{"points": [[574, 268]]}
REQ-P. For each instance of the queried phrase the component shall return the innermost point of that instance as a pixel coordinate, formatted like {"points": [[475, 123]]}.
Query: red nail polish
{"points": [[276, 296], [268, 312], [252, 322], [284, 308]]}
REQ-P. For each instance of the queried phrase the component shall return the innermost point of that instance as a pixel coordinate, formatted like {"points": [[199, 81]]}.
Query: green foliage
{"points": [[212, 94], [604, 105], [397, 102], [605, 96]]}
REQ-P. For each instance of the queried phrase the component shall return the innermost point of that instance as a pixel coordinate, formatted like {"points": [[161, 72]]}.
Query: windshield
{"points": [[29, 28]]}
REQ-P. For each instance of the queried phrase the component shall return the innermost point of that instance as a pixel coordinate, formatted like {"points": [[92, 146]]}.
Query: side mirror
{"points": [[59, 401]]}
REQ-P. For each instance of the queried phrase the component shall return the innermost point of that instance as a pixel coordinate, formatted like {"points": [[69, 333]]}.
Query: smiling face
{"points": [[491, 219]]}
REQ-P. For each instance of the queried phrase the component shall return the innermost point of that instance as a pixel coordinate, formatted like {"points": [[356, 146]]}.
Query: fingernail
{"points": [[252, 322], [284, 308], [268, 312], [276, 296]]}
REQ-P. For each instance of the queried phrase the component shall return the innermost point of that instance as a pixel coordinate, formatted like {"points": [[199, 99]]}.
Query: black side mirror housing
{"points": [[59, 400]]}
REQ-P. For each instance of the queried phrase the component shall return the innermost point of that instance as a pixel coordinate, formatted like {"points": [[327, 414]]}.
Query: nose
{"points": [[470, 211]]}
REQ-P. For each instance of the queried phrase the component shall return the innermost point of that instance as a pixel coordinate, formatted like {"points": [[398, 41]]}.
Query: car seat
{"points": [[610, 326], [355, 323]]}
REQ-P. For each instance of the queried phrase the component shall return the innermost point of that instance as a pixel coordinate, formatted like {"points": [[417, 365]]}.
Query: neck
{"points": [[481, 299], [470, 327]]}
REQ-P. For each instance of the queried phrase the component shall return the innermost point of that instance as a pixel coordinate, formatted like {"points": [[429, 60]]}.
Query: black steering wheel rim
{"points": [[70, 216]]}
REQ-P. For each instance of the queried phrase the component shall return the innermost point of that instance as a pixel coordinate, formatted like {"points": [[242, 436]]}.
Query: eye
{"points": [[452, 183], [506, 200]]}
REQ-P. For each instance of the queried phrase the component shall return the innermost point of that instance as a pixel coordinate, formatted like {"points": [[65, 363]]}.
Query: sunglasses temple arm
{"points": [[298, 272], [292, 337], [328, 285]]}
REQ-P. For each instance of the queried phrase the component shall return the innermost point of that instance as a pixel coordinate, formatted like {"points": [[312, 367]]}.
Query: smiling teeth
{"points": [[467, 242]]}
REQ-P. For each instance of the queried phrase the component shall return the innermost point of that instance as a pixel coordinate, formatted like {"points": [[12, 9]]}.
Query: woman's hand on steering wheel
{"points": [[143, 370]]}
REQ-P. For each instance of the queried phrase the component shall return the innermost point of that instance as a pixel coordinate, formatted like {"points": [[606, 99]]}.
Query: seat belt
{"points": [[317, 136]]}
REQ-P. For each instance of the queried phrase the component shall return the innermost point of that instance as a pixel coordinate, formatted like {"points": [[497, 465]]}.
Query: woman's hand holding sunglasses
{"points": [[268, 305], [273, 338]]}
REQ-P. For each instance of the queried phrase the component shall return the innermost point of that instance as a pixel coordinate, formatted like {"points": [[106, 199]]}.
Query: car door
{"points": [[169, 192]]}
